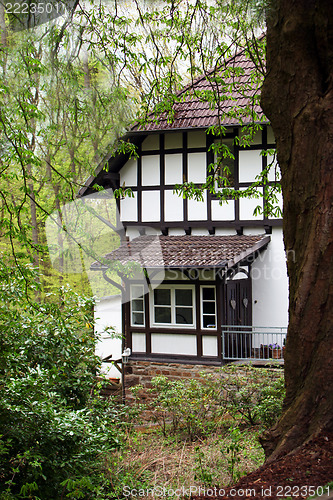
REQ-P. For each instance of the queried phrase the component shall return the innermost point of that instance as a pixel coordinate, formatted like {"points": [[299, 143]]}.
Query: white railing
{"points": [[253, 342]]}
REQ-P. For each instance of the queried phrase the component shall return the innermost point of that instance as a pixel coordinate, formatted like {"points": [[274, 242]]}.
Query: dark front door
{"points": [[238, 307]]}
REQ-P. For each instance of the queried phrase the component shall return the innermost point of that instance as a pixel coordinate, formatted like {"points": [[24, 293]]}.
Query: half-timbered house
{"points": [[215, 286]]}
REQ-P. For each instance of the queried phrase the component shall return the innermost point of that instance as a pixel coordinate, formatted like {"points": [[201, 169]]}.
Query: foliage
{"points": [[56, 432], [58, 437], [59, 111], [196, 407], [188, 406], [158, 48], [201, 472], [255, 394], [233, 450], [151, 461], [78, 88], [56, 114]]}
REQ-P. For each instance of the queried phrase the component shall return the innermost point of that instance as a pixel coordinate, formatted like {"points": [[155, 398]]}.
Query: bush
{"points": [[56, 433], [186, 406], [196, 407], [254, 394]]}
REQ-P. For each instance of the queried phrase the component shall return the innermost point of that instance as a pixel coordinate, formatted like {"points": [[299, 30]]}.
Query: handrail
{"points": [[253, 342]]}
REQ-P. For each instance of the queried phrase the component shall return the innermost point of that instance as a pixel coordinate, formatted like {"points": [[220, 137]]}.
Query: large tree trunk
{"points": [[297, 97]]}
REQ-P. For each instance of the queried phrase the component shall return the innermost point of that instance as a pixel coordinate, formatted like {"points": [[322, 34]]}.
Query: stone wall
{"points": [[142, 372]]}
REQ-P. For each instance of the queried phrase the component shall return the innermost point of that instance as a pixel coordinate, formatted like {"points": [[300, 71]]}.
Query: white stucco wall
{"points": [[151, 142], [173, 173], [107, 313], [196, 139], [169, 343], [226, 211], [209, 345], [173, 206], [247, 207], [173, 140], [197, 210], [270, 283], [129, 173], [150, 170], [151, 206], [249, 165], [129, 208], [138, 342], [196, 167]]}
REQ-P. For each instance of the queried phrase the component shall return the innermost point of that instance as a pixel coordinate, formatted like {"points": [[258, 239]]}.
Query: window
{"points": [[137, 306], [208, 307], [225, 159], [173, 305]]}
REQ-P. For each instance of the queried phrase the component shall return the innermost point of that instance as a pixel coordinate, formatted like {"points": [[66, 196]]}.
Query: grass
{"points": [[153, 461], [195, 433]]}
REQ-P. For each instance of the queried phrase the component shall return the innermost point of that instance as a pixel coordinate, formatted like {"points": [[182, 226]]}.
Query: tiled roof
{"points": [[194, 112], [185, 251], [234, 99]]}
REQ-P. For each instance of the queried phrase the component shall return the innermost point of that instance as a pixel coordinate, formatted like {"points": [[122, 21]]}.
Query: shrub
{"points": [[188, 406], [196, 407], [56, 432], [254, 394]]}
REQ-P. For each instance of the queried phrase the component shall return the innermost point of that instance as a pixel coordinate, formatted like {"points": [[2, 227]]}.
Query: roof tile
{"points": [[185, 251], [196, 112]]}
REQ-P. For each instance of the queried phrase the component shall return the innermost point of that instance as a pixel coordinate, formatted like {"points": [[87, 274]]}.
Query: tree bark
{"points": [[297, 97]]}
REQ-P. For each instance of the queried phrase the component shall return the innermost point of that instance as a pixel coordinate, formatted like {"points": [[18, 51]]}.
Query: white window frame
{"points": [[173, 323], [131, 302], [202, 314]]}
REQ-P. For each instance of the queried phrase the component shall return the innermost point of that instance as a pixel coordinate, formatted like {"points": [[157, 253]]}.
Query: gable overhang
{"points": [[108, 168]]}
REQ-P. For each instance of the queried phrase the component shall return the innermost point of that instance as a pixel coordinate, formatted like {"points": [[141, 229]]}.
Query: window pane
{"points": [[162, 296], [137, 319], [209, 307], [208, 293], [162, 314], [137, 305], [183, 297], [184, 315], [209, 321]]}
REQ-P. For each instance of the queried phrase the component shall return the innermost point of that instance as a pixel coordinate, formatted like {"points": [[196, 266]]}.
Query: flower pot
{"points": [[276, 353]]}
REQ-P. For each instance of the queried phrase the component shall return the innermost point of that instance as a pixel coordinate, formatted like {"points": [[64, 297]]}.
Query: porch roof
{"points": [[185, 251]]}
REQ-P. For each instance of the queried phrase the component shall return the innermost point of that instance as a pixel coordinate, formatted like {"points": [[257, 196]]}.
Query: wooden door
{"points": [[238, 307]]}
